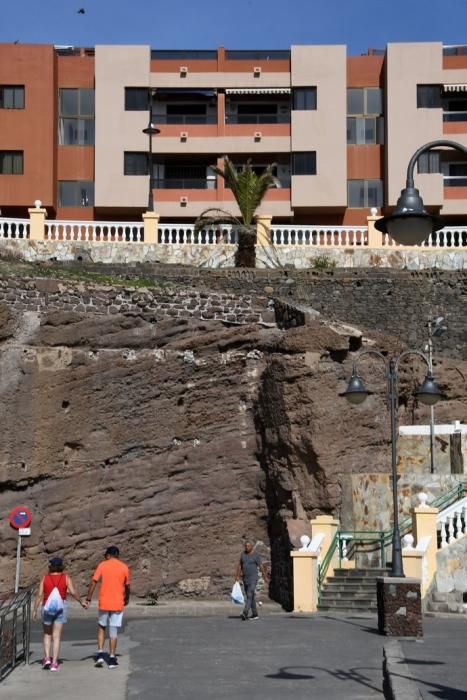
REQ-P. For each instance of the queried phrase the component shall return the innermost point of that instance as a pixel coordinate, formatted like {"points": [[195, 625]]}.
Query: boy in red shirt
{"points": [[114, 594]]}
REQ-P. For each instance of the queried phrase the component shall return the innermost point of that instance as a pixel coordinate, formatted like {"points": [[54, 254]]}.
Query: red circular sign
{"points": [[20, 517]]}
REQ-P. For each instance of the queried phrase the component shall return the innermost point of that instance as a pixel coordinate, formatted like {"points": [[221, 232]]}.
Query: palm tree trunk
{"points": [[245, 255]]}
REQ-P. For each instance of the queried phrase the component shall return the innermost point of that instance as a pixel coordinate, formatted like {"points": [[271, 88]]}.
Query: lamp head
{"points": [[151, 130], [428, 393], [356, 392], [410, 223]]}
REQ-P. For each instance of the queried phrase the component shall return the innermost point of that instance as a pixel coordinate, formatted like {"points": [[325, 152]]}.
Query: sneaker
{"points": [[113, 663], [255, 617], [99, 662], [54, 667], [46, 661]]}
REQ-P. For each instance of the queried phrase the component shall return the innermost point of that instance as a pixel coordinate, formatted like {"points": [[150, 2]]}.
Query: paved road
{"points": [[194, 658], [280, 656], [439, 662]]}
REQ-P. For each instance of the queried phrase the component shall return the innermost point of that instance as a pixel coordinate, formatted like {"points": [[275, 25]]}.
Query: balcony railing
{"points": [[184, 183], [184, 119], [455, 181], [258, 119], [454, 116]]}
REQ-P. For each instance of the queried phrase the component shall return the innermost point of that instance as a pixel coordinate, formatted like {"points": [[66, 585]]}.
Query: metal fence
{"points": [[15, 631]]}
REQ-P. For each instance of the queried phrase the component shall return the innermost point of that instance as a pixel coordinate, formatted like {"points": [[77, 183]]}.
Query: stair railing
{"points": [[324, 565]]}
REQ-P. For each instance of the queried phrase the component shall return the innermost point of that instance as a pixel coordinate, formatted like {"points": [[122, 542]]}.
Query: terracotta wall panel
{"points": [[365, 162], [365, 71], [31, 130], [75, 163], [75, 71]]}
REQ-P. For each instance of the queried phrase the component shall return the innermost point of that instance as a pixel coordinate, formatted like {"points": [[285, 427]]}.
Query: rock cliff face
{"points": [[175, 438]]}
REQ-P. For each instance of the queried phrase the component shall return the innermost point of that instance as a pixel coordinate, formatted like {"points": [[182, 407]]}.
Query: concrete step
{"points": [[355, 580], [370, 586], [345, 606], [360, 573], [450, 607], [347, 595]]}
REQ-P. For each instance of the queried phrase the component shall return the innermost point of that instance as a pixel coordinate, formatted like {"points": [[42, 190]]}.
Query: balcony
{"points": [[190, 183], [183, 119], [258, 118]]}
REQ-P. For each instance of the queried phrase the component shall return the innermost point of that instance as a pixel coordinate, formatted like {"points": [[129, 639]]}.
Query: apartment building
{"points": [[339, 128]]}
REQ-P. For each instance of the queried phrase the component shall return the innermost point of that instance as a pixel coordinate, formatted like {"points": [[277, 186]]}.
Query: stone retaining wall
{"points": [[46, 294]]}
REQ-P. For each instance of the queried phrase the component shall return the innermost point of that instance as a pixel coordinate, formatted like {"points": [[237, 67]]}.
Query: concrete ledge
{"points": [[399, 683]]}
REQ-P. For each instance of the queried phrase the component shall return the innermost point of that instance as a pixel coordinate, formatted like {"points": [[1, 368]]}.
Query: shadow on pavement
{"points": [[437, 690], [353, 674]]}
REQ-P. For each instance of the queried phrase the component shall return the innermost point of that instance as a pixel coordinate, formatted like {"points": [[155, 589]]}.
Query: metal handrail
{"points": [[324, 566], [15, 631]]}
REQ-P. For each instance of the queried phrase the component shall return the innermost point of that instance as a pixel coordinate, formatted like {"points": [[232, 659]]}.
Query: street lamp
{"points": [[410, 223], [428, 393], [151, 131], [435, 330]]}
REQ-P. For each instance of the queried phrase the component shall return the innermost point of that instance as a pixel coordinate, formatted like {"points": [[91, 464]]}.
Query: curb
{"points": [[399, 684]]}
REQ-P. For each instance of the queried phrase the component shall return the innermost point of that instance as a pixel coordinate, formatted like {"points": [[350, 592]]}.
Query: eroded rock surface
{"points": [[174, 438]]}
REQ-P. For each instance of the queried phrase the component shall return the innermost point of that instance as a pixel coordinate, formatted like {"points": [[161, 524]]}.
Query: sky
{"points": [[235, 24]]}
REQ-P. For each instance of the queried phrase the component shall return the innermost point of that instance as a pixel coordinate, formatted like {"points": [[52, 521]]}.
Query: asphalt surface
{"points": [[438, 663], [212, 656]]}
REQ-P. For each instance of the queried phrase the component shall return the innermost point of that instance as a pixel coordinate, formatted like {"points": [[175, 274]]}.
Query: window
{"points": [[361, 130], [11, 162], [429, 162], [76, 123], [304, 98], [364, 101], [11, 96], [365, 193], [429, 96], [136, 99], [365, 125], [76, 193], [135, 163], [304, 163]]}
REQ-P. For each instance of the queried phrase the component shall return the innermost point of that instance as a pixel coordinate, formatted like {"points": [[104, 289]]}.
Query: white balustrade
{"points": [[14, 228], [184, 234], [444, 541], [459, 532], [447, 237], [451, 528], [319, 236], [95, 231]]}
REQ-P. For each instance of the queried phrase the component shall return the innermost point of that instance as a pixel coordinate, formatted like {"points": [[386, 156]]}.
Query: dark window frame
{"points": [[138, 157], [303, 102], [85, 120], [429, 96], [79, 185], [141, 105], [366, 204], [4, 155], [299, 164], [365, 93], [19, 95]]}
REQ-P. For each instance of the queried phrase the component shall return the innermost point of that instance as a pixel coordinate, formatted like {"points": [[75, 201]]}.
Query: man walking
{"points": [[114, 594], [247, 568]]}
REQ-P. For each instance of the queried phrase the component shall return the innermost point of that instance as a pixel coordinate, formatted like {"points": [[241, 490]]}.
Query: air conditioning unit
{"points": [[258, 135], [183, 71], [257, 71], [183, 135], [183, 201]]}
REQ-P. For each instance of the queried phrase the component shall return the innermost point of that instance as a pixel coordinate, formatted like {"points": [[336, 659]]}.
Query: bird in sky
{"points": [[81, 11]]}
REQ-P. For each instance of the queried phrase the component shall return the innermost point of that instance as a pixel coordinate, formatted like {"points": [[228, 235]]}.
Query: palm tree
{"points": [[249, 190]]}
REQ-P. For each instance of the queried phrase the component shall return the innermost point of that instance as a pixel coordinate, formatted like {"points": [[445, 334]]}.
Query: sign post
{"points": [[20, 520]]}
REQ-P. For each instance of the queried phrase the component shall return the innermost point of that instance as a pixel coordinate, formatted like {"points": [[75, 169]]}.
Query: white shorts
{"points": [[110, 618]]}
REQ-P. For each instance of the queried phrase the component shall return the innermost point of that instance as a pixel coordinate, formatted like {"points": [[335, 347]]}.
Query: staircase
{"points": [[350, 590]]}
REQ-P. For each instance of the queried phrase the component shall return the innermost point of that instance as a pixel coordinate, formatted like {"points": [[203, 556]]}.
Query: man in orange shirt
{"points": [[114, 594]]}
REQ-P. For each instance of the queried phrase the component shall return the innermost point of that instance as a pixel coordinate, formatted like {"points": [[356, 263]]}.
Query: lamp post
{"points": [[410, 223], [428, 393], [435, 330], [151, 131]]}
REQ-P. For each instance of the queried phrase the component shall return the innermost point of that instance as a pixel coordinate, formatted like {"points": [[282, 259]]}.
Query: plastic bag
{"points": [[237, 594], [54, 603]]}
